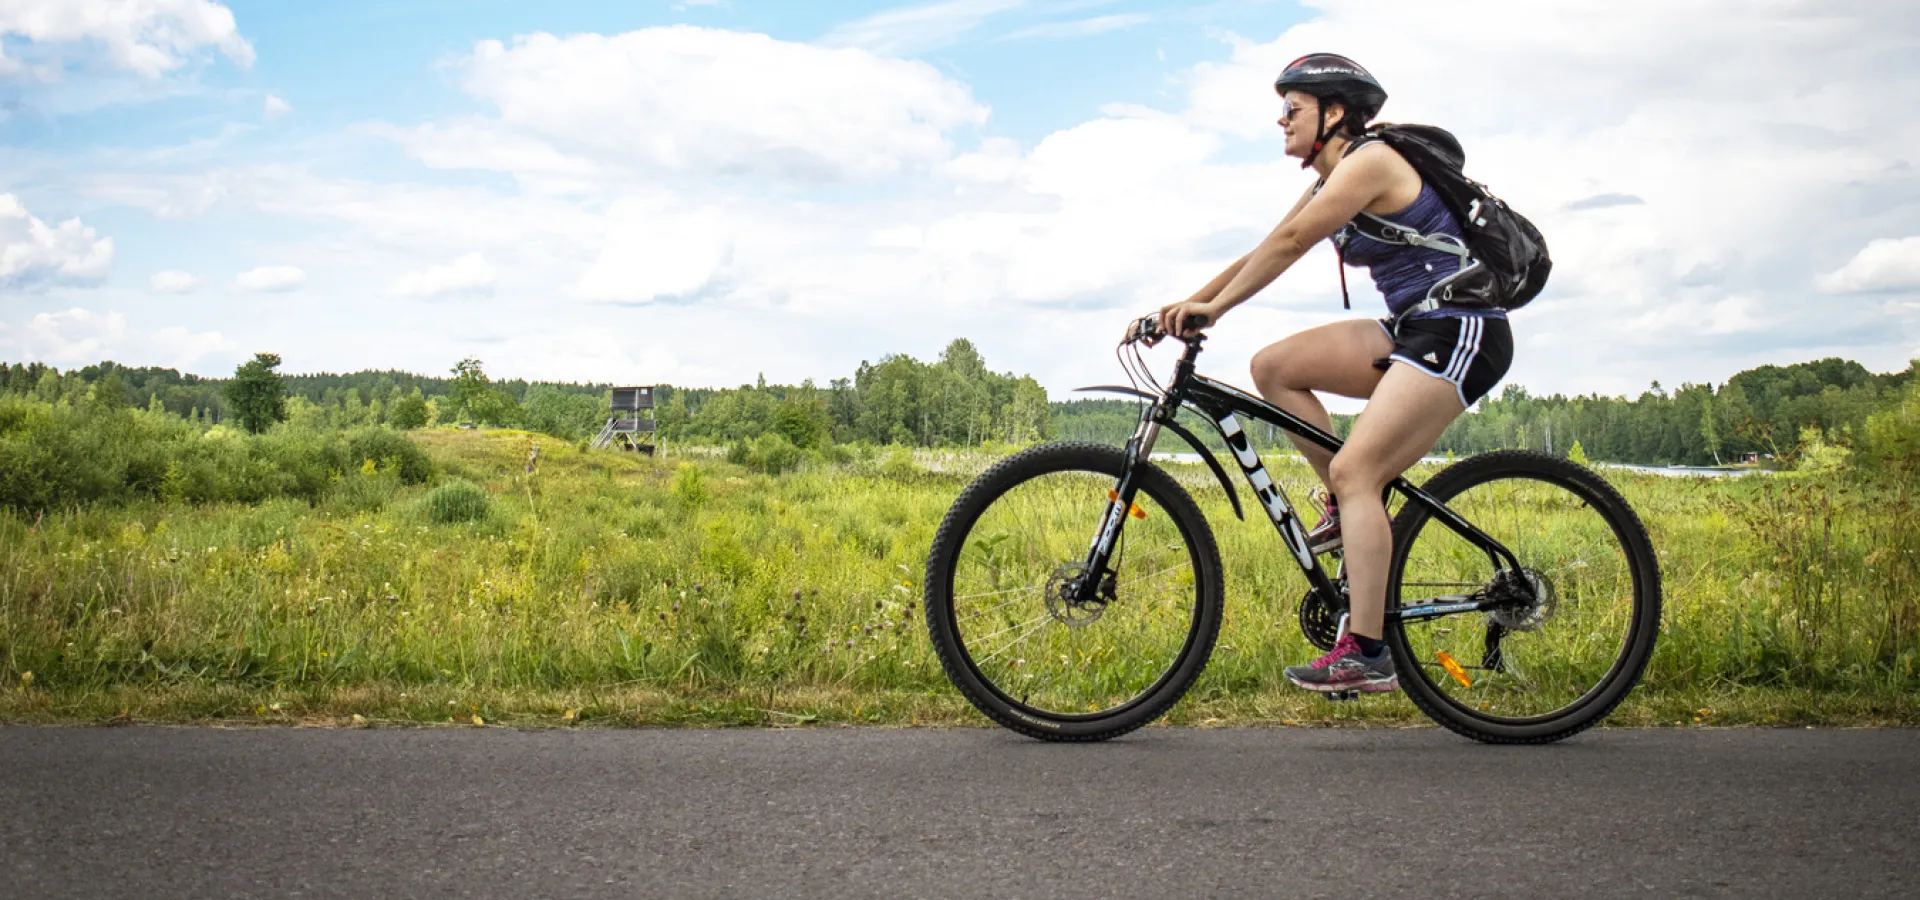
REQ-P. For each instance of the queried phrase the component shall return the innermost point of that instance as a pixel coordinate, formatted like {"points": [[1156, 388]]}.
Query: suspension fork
{"points": [[1139, 448]]}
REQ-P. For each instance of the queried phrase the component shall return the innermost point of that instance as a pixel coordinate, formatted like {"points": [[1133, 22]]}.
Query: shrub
{"points": [[458, 500], [689, 485], [773, 454], [390, 451], [899, 465]]}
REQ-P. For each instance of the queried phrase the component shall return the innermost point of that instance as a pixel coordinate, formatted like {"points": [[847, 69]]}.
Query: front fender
{"points": [[1188, 436]]}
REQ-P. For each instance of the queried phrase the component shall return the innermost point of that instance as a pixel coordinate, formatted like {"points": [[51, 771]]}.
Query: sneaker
{"points": [[1344, 668], [1325, 537]]}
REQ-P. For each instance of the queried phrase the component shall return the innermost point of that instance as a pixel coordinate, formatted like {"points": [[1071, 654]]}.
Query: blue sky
{"points": [[696, 193]]}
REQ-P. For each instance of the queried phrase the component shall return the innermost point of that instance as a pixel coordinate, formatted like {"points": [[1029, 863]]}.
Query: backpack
{"points": [[1511, 252]]}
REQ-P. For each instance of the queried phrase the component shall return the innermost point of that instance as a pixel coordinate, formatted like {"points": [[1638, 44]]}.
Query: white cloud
{"points": [[684, 100], [172, 281], [34, 254], [150, 37], [1733, 161], [468, 274], [1691, 214], [274, 107], [77, 337], [1882, 265], [917, 29], [653, 250], [271, 279]]}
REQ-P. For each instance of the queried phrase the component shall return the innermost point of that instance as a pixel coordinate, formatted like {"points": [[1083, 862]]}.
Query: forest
{"points": [[1757, 415]]}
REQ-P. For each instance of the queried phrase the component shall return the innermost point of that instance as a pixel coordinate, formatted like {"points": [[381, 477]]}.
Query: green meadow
{"points": [[569, 587]]}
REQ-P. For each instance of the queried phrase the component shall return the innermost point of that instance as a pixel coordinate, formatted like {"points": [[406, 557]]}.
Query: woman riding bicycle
{"points": [[1418, 369]]}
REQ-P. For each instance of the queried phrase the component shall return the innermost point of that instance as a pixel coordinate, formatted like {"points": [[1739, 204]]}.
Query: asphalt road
{"points": [[163, 812]]}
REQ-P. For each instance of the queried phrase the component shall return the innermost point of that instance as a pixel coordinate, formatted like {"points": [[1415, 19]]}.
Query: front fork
{"points": [[1095, 569]]}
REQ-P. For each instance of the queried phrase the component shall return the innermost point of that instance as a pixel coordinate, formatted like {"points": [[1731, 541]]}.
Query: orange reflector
{"points": [[1133, 509], [1453, 668]]}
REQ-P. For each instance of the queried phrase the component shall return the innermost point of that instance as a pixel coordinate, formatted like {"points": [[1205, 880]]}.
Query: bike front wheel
{"points": [[1000, 595], [1579, 617]]}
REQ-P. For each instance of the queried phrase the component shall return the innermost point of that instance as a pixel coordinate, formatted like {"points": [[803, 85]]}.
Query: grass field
{"points": [[608, 588]]}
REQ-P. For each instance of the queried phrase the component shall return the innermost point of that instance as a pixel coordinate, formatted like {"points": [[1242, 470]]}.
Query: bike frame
{"points": [[1222, 404]]}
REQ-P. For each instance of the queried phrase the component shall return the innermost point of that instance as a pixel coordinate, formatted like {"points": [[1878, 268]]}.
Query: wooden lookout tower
{"points": [[631, 425]]}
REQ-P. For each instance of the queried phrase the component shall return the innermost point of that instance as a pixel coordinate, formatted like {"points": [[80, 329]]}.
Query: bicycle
{"points": [[1550, 609]]}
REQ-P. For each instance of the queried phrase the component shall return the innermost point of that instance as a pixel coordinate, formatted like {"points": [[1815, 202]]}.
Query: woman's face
{"points": [[1300, 118]]}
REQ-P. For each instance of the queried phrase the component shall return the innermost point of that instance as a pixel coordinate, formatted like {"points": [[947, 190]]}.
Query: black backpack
{"points": [[1512, 251]]}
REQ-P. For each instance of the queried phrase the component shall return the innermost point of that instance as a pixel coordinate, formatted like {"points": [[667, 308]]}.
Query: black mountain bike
{"points": [[1074, 591]]}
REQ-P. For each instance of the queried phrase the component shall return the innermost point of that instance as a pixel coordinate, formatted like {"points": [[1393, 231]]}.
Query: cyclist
{"points": [[1418, 369]]}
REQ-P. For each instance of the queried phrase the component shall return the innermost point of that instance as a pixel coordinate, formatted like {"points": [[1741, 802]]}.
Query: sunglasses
{"points": [[1288, 110]]}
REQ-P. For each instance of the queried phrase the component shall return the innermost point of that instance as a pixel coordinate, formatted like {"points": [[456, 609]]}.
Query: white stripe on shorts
{"points": [[1464, 349]]}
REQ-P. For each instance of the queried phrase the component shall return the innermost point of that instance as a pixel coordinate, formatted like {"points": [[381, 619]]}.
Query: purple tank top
{"points": [[1404, 274]]}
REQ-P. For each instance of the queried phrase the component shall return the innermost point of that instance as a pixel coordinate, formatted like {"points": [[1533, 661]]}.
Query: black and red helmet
{"points": [[1333, 77]]}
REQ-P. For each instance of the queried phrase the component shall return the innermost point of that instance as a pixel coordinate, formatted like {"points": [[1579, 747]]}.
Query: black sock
{"points": [[1371, 647]]}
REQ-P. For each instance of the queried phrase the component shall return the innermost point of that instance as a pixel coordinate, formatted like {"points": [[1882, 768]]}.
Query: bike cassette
{"points": [[1528, 598]]}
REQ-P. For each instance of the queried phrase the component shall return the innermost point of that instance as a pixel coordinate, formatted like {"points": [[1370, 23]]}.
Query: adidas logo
{"points": [[1431, 358]]}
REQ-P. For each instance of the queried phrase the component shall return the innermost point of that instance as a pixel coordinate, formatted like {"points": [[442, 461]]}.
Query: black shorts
{"points": [[1471, 353]]}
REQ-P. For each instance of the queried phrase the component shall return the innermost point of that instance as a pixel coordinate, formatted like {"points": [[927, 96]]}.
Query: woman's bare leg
{"points": [[1337, 358], [1406, 415]]}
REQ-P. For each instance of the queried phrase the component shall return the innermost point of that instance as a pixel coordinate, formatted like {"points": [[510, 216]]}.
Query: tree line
{"points": [[956, 401]]}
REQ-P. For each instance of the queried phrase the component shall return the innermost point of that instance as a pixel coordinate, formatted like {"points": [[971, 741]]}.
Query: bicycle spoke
{"points": [[977, 614], [1034, 587], [1017, 641], [1136, 580], [1042, 617]]}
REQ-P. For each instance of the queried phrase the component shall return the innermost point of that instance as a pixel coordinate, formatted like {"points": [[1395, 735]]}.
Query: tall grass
{"points": [[690, 577]]}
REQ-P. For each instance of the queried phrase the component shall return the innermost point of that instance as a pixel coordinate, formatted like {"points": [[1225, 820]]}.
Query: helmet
{"points": [[1332, 77], [1337, 79]]}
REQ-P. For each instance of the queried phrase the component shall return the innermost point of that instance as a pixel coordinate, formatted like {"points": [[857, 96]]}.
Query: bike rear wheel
{"points": [[1000, 579], [1585, 607]]}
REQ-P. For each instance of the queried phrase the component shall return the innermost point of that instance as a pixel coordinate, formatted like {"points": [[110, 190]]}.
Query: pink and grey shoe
{"points": [[1345, 668], [1325, 536]]}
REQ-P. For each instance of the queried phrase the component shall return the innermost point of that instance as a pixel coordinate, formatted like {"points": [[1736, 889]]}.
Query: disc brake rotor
{"points": [[1064, 586]]}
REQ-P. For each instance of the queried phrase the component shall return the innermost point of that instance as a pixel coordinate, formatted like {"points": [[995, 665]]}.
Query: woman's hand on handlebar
{"points": [[1185, 319]]}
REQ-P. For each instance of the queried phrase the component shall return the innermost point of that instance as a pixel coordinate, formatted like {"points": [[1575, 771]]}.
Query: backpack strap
{"points": [[1376, 228]]}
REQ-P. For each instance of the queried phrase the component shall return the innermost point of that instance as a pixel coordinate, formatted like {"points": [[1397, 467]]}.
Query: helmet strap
{"points": [[1322, 132]]}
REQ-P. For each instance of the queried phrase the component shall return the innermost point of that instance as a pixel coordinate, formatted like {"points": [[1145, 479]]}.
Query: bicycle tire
{"points": [[945, 630], [1425, 686]]}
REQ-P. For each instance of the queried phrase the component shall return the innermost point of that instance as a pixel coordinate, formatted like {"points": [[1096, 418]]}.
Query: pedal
{"points": [[1342, 695]]}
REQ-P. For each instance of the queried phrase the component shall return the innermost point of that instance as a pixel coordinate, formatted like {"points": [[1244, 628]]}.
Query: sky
{"points": [[704, 192]]}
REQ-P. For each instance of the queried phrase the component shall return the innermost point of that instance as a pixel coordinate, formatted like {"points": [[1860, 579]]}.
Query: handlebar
{"points": [[1148, 328]]}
